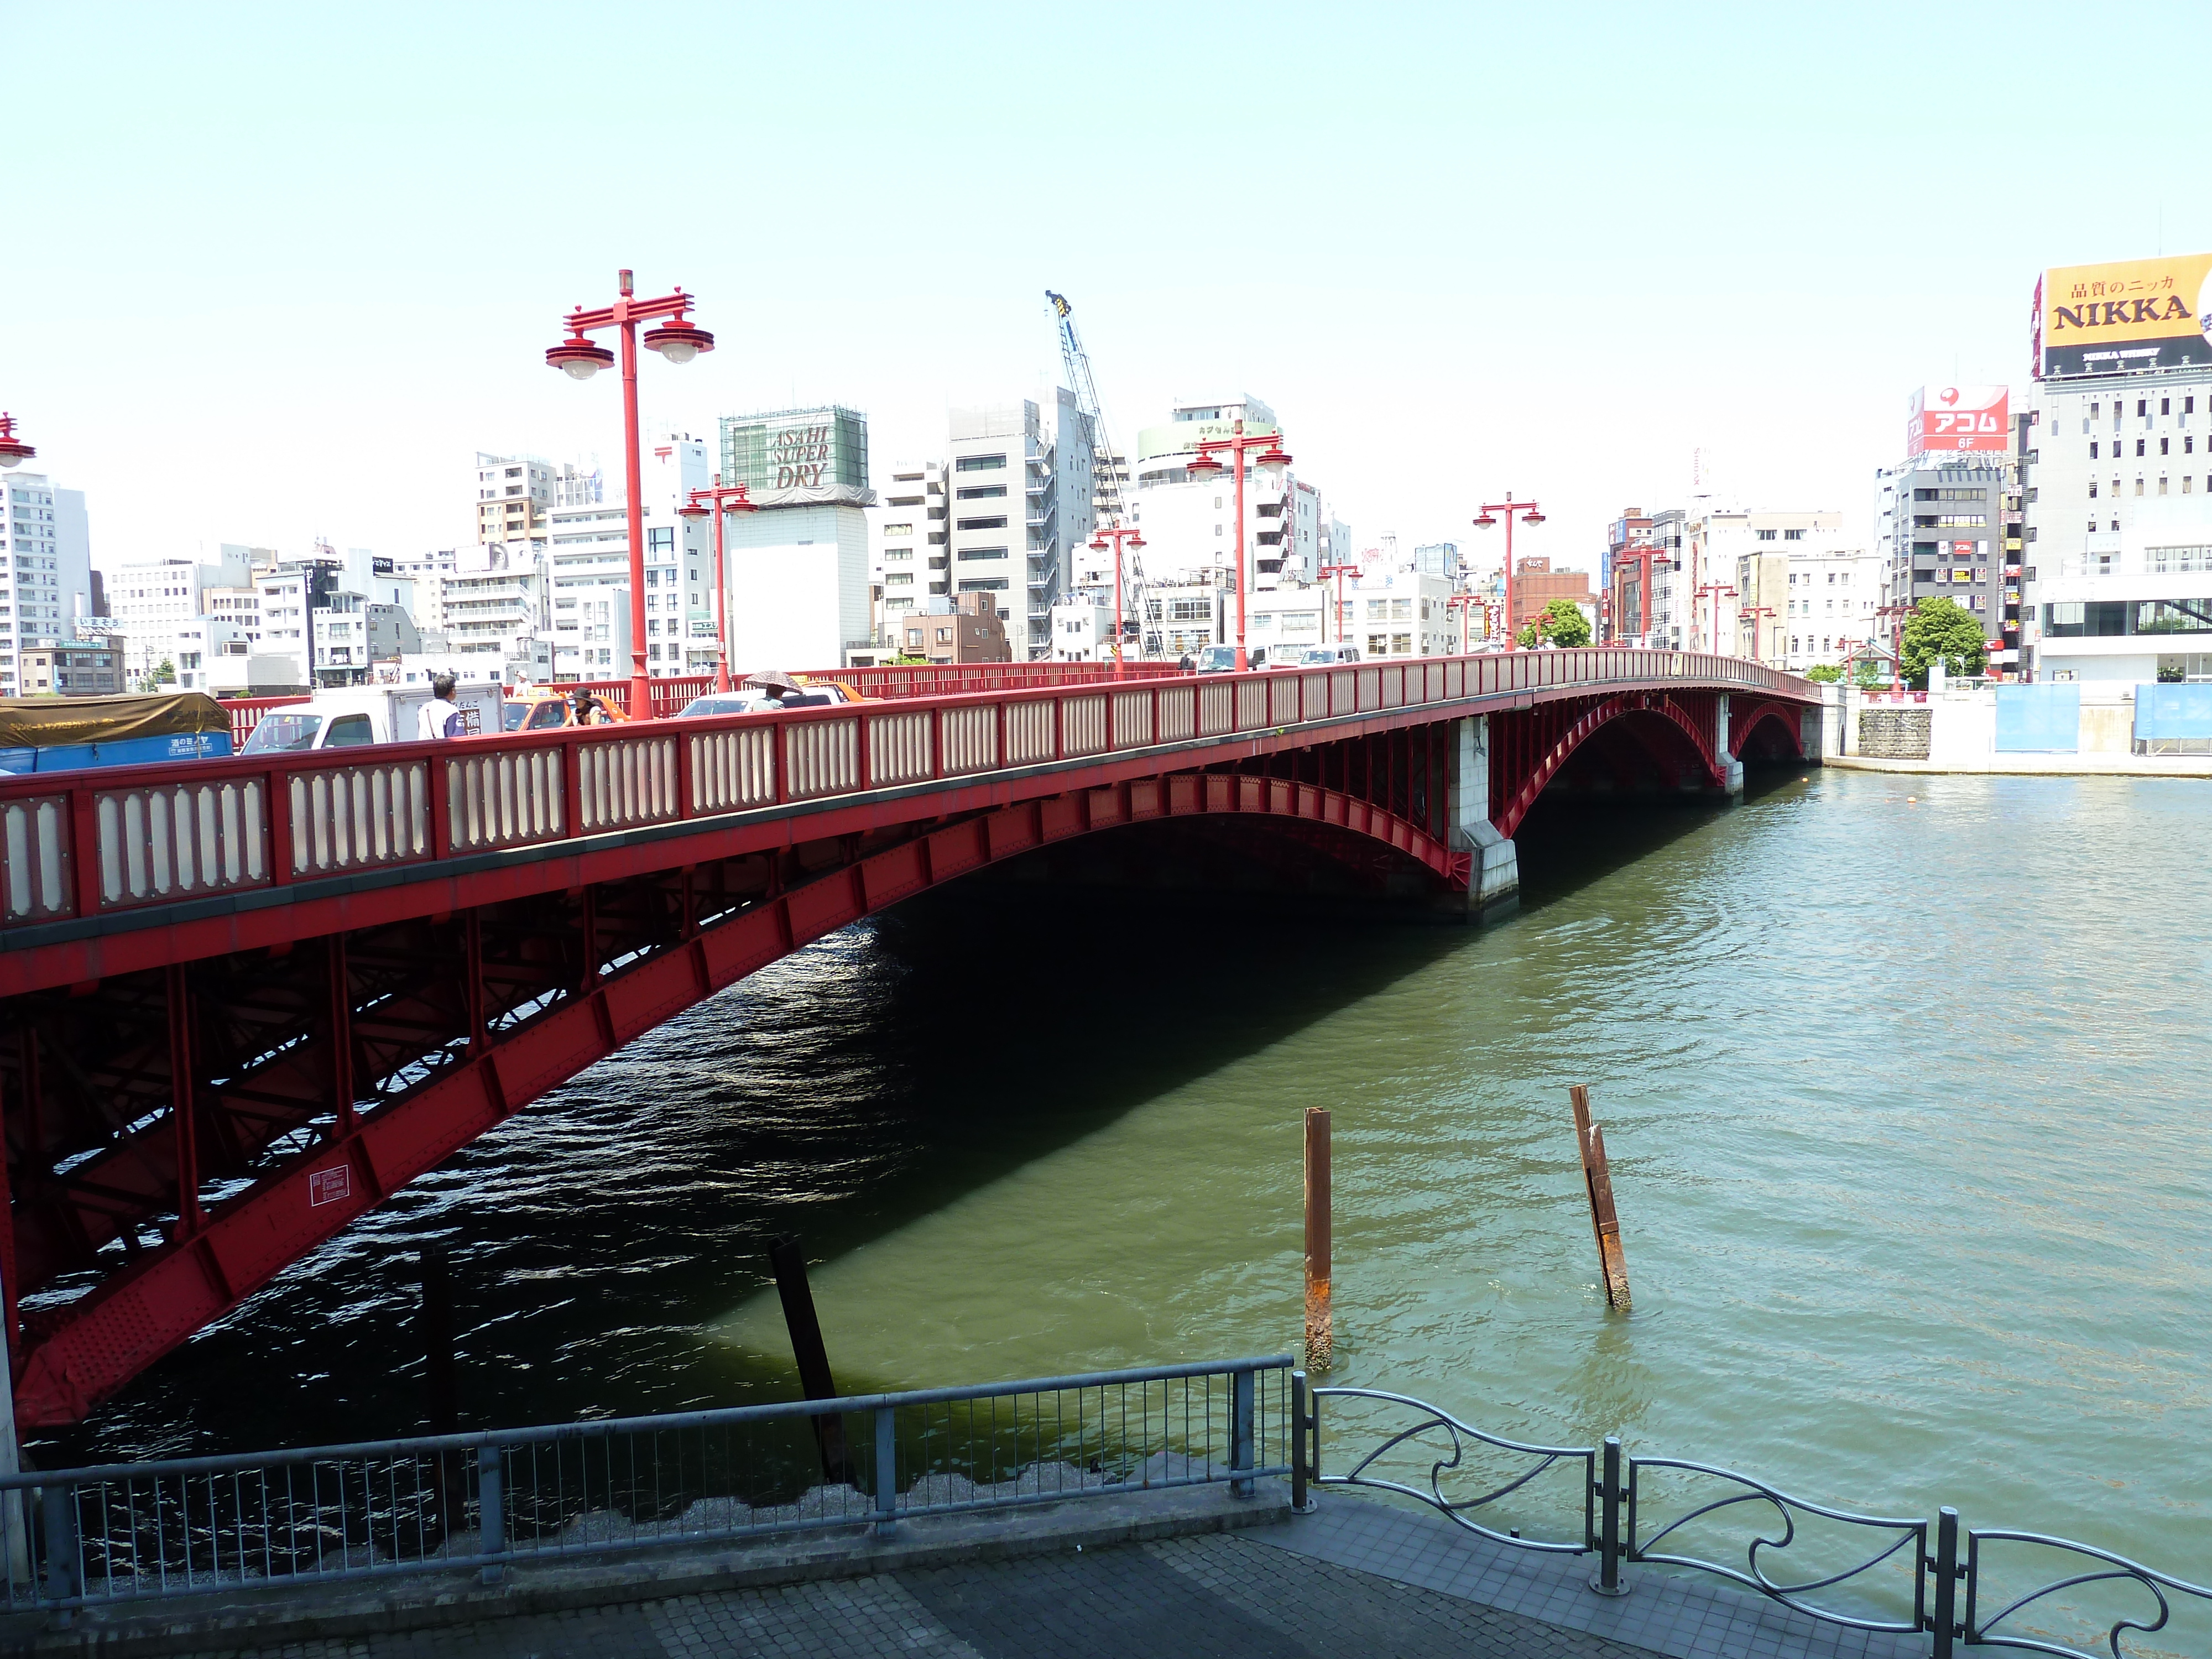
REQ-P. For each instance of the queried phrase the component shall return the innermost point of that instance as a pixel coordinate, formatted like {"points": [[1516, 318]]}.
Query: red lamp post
{"points": [[1206, 466], [1718, 593], [1340, 571], [1752, 613], [718, 500], [1530, 515], [679, 342], [1119, 539], [1464, 604], [14, 452]]}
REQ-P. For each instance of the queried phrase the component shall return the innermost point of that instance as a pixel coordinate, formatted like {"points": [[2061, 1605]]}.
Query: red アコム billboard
{"points": [[1948, 419]]}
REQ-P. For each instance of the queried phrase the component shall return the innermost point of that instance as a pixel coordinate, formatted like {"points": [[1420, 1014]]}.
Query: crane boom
{"points": [[1080, 381]]}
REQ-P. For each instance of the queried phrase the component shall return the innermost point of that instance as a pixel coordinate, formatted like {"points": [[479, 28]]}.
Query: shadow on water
{"points": [[862, 1084]]}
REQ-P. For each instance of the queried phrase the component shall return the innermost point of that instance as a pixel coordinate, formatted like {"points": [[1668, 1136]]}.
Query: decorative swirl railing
{"points": [[1811, 1557]]}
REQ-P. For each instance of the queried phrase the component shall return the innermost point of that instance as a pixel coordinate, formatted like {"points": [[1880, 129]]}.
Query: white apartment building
{"points": [[1699, 595], [46, 583], [514, 498], [1021, 483], [2119, 527], [1187, 616], [908, 553], [1810, 605], [151, 599], [587, 551], [1189, 523], [1400, 613]]}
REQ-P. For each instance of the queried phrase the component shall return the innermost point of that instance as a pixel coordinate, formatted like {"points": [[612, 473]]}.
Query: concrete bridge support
{"points": [[1731, 767], [1493, 879]]}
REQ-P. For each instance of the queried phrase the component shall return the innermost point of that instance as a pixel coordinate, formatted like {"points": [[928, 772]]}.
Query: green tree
{"points": [[1824, 673], [165, 672], [1942, 629], [1563, 623]]}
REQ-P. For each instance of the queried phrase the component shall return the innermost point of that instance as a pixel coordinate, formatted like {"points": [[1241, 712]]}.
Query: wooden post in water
{"points": [[1320, 1336], [789, 1262], [1605, 1221]]}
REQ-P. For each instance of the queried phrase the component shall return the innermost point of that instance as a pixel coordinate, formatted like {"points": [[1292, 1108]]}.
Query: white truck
{"points": [[365, 714]]}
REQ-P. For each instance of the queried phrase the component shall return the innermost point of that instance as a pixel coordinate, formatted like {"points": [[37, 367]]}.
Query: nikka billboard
{"points": [[2130, 314], [1946, 420]]}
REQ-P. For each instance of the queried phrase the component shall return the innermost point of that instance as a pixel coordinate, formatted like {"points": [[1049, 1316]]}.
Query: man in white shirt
{"points": [[442, 715]]}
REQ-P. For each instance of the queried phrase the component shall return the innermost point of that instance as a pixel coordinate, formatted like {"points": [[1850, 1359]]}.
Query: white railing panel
{"points": [[1082, 725], [970, 738], [1394, 688], [1029, 732], [624, 782], [1133, 718], [504, 798], [1251, 705], [1215, 709], [175, 841], [898, 747], [824, 756], [350, 817], [731, 770], [34, 859], [1178, 713], [1283, 699]]}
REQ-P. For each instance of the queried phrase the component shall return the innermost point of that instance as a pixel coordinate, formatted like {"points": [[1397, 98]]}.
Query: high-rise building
{"points": [[1189, 524], [908, 533], [47, 582], [2116, 485], [797, 570], [515, 495], [1023, 488], [587, 555]]}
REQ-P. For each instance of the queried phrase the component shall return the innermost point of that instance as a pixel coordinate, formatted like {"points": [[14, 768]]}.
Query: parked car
{"points": [[750, 699], [364, 715], [541, 711], [60, 734], [1222, 658], [1327, 656]]}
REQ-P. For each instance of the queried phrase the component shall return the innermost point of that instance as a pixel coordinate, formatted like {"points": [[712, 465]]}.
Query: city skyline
{"points": [[364, 233]]}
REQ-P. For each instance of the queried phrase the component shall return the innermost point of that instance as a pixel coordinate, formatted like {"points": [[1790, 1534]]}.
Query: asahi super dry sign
{"points": [[799, 457], [2130, 314]]}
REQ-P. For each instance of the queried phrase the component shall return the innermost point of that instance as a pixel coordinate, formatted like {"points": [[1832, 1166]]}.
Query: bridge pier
{"points": [[1494, 877], [1731, 767]]}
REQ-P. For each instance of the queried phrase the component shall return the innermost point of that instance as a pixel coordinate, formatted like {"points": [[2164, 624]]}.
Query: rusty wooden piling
{"points": [[1605, 1221], [1320, 1336], [788, 1260]]}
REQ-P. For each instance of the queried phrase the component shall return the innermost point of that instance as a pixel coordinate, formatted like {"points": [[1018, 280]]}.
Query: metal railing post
{"points": [[1607, 1581], [1945, 1566], [1300, 1504], [886, 1471], [59, 1503], [1240, 1433], [491, 1508]]}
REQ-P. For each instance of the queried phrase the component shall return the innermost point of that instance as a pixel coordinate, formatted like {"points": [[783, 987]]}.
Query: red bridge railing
{"points": [[103, 842]]}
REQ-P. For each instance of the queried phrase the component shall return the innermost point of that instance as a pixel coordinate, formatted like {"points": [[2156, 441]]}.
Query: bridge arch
{"points": [[1529, 750], [1765, 729], [470, 1075]]}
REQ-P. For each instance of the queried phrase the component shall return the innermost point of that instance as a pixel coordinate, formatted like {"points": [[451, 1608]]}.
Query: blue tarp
{"points": [[2173, 711], [2046, 717]]}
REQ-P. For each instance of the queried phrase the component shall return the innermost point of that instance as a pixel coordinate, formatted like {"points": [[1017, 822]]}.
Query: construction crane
{"points": [[1106, 481]]}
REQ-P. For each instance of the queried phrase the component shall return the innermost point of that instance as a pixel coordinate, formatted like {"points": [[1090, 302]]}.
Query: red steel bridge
{"points": [[244, 1001]]}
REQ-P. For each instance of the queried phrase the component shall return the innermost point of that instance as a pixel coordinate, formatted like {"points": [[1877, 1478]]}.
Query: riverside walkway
{"points": [[1357, 1575]]}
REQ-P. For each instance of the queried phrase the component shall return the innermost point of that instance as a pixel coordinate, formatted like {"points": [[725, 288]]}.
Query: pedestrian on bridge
{"points": [[442, 715]]}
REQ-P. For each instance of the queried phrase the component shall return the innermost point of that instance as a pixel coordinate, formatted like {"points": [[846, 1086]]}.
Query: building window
{"points": [[1793, 535], [980, 524], [1767, 535], [981, 493], [980, 464]]}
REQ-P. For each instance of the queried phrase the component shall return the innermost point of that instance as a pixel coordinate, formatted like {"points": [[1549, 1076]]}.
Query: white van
{"points": [[365, 714], [1327, 656]]}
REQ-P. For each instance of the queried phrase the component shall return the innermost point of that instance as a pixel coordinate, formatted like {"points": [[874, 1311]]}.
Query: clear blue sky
{"points": [[278, 270]]}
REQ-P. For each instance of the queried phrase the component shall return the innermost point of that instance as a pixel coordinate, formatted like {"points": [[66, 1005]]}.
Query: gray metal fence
{"points": [[1901, 1575], [482, 1501]]}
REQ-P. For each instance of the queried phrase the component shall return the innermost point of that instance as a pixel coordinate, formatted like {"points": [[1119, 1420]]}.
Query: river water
{"points": [[1903, 1081]]}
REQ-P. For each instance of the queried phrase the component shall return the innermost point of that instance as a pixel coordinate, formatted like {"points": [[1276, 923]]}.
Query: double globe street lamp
{"points": [[678, 341], [1115, 536], [14, 452], [718, 499], [1273, 460], [1530, 514]]}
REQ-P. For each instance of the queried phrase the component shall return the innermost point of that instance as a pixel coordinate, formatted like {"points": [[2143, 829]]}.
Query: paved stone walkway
{"points": [[1356, 1577], [1220, 1595]]}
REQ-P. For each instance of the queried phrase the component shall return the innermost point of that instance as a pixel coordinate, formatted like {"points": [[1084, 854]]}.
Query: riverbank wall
{"points": [[2034, 731]]}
